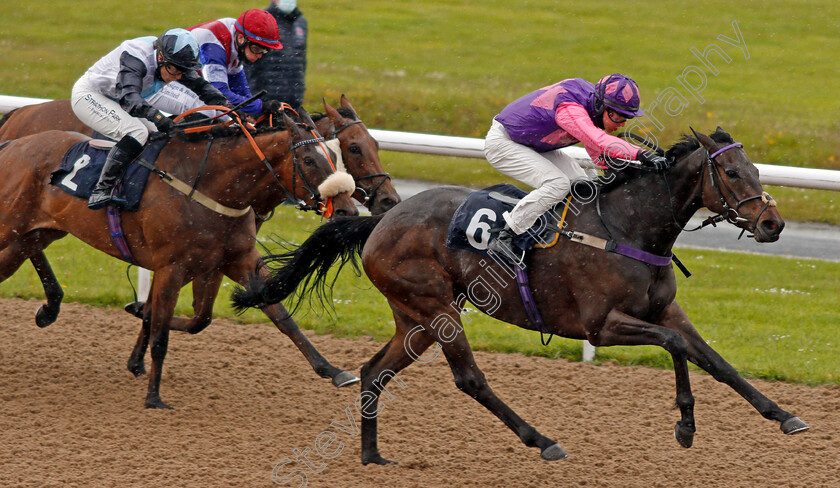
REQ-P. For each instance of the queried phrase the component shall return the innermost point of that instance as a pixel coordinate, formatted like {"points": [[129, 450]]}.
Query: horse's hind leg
{"points": [[30, 246], [701, 354], [449, 333], [47, 313], [407, 345]]}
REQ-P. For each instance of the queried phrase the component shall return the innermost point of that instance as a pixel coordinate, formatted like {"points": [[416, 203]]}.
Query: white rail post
{"points": [[144, 284]]}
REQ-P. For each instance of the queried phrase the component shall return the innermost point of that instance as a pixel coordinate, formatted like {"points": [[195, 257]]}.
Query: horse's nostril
{"points": [[388, 203], [771, 226]]}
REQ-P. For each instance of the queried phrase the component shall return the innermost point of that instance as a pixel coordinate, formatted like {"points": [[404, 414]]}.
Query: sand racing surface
{"points": [[246, 402]]}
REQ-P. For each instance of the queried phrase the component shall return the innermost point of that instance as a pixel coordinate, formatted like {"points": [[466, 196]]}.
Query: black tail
{"points": [[341, 237]]}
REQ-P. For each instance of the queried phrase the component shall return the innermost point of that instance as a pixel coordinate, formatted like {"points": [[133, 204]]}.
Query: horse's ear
{"points": [[346, 103], [332, 113], [306, 118], [705, 140], [292, 126]]}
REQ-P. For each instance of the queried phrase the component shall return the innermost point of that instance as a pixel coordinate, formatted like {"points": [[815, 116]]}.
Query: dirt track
{"points": [[71, 415]]}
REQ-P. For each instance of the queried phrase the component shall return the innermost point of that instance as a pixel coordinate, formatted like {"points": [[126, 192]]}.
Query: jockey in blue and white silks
{"points": [[124, 94], [226, 44]]}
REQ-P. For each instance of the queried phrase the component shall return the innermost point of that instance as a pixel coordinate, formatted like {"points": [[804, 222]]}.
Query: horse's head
{"points": [[732, 189], [360, 153], [322, 187]]}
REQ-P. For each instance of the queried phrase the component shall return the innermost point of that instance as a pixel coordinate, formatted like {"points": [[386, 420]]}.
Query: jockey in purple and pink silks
{"points": [[524, 139]]}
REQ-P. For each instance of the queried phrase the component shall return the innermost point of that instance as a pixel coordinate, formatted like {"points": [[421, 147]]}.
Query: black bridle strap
{"points": [[386, 176]]}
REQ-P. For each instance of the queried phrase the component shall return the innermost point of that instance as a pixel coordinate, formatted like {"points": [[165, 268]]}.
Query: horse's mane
{"points": [[685, 146], [219, 130]]}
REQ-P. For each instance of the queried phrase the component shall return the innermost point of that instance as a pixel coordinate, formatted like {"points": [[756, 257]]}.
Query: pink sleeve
{"points": [[574, 119]]}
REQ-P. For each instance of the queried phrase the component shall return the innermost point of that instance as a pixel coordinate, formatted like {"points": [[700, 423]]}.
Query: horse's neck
{"points": [[235, 176], [648, 213]]}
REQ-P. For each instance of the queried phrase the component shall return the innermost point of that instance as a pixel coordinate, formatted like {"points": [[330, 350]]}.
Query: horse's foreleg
{"points": [[240, 272], [286, 324], [205, 291], [620, 329], [701, 354], [165, 287]]}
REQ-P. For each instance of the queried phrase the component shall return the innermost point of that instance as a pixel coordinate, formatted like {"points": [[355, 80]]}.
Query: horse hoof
{"points": [[135, 308], [794, 425], [156, 402], [137, 370], [553, 453], [344, 378], [377, 459], [44, 317], [684, 435]]}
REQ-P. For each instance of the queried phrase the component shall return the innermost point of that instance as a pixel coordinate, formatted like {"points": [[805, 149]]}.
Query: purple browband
{"points": [[725, 148]]}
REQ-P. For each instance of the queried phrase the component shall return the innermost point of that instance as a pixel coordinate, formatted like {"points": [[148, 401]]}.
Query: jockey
{"points": [[226, 44], [524, 139], [118, 92]]}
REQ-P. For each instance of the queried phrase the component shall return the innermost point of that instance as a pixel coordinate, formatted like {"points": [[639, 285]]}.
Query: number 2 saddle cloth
{"points": [[81, 165]]}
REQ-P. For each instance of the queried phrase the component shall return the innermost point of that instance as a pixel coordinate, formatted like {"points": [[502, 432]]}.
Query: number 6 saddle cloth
{"points": [[482, 211]]}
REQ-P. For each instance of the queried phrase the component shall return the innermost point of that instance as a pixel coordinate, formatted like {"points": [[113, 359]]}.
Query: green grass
{"points": [[771, 317], [448, 67]]}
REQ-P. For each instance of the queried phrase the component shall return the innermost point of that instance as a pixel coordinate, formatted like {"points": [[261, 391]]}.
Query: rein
{"points": [[320, 206]]}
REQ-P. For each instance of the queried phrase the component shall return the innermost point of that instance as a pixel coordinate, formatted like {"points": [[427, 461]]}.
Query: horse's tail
{"points": [[340, 238]]}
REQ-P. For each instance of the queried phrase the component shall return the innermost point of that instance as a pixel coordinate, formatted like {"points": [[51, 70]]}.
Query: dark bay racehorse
{"points": [[582, 292], [170, 233]]}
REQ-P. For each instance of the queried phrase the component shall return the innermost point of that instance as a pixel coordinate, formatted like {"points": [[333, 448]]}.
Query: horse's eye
{"points": [[731, 173], [308, 161], [355, 149]]}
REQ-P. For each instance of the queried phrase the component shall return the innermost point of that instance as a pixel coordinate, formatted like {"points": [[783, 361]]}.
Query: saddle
{"points": [[82, 164], [473, 224]]}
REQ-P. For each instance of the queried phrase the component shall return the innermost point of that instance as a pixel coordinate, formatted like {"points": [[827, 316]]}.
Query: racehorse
{"points": [[360, 154], [170, 233], [359, 151], [583, 292]]}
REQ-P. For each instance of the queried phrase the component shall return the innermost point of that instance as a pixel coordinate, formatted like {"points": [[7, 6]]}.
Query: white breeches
{"points": [[550, 173]]}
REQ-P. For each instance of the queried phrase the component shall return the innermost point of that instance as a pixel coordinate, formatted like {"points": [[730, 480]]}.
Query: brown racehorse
{"points": [[583, 292], [359, 150], [360, 154], [170, 233]]}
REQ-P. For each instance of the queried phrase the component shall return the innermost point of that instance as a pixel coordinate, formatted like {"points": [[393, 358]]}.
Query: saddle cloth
{"points": [[82, 164], [482, 211]]}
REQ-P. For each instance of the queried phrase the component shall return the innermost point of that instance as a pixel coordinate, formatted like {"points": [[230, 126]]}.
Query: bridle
{"points": [[385, 176], [730, 214]]}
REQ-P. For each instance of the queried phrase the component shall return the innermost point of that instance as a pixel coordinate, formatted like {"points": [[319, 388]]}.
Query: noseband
{"points": [[385, 176], [730, 214]]}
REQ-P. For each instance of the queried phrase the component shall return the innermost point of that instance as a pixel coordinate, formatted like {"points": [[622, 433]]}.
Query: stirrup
{"points": [[510, 254]]}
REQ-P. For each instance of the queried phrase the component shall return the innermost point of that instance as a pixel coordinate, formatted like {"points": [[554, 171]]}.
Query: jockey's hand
{"points": [[162, 122], [653, 160], [272, 107], [239, 112]]}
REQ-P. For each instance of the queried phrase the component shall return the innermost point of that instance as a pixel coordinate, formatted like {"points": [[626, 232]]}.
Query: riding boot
{"points": [[504, 247], [118, 159]]}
